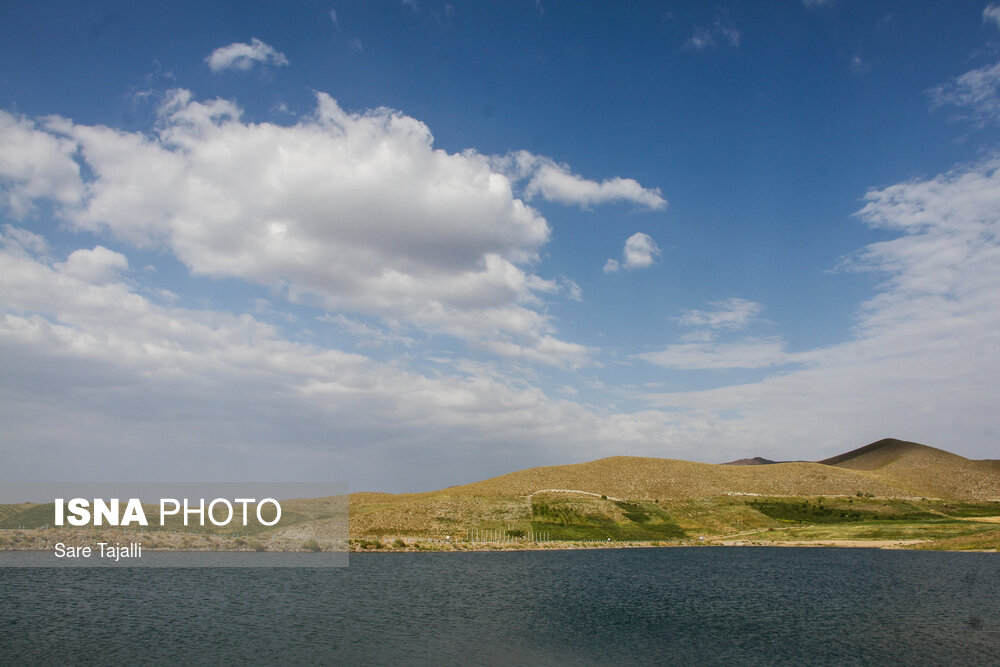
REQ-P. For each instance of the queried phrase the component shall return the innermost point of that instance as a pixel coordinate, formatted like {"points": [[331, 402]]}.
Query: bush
{"points": [[399, 543], [311, 545]]}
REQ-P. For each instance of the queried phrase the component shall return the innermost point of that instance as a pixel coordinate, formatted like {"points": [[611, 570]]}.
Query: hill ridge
{"points": [[883, 452], [886, 468]]}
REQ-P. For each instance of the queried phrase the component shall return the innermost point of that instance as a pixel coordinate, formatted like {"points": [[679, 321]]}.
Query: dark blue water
{"points": [[648, 606]]}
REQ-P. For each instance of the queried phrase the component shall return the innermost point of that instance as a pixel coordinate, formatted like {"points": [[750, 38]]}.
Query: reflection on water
{"points": [[664, 606]]}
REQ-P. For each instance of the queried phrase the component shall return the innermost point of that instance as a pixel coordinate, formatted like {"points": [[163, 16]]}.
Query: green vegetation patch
{"points": [[982, 540], [634, 512], [876, 531], [970, 509], [825, 510], [576, 520], [556, 512]]}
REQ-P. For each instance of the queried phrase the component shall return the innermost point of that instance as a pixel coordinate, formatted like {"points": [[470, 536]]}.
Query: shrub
{"points": [[311, 545]]}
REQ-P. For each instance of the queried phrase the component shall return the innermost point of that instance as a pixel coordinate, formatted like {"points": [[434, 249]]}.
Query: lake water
{"points": [[637, 606]]}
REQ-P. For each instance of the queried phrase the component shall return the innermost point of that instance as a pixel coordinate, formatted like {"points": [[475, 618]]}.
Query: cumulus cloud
{"points": [[242, 56], [354, 212], [555, 182], [640, 252], [36, 164], [90, 365], [976, 94], [97, 266]]}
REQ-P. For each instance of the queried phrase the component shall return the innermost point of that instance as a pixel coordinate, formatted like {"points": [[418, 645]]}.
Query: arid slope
{"points": [[922, 470], [886, 469]]}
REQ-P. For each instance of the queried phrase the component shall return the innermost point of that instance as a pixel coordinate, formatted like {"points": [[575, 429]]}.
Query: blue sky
{"points": [[414, 244]]}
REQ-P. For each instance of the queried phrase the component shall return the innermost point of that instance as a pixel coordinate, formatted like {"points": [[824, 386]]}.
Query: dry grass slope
{"points": [[695, 494], [924, 471], [648, 478]]}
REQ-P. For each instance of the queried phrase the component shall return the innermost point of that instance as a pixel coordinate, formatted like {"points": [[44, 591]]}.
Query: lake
{"points": [[708, 605]]}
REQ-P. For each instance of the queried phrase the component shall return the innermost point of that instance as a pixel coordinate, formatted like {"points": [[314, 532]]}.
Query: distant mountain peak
{"points": [[755, 461]]}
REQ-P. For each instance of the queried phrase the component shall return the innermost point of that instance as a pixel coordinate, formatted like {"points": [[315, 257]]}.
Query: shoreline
{"points": [[887, 545], [884, 545], [48, 539]]}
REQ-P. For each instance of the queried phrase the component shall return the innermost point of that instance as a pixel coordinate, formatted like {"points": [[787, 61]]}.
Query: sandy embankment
{"points": [[870, 544]]}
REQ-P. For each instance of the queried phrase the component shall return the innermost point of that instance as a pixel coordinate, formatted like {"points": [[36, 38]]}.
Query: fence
{"points": [[504, 535]]}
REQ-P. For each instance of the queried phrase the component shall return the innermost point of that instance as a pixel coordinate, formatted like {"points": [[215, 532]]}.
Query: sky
{"points": [[411, 244]]}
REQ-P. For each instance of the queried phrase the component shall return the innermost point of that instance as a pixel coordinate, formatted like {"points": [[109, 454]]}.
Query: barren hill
{"points": [[923, 470], [888, 469], [634, 477], [755, 461], [889, 450]]}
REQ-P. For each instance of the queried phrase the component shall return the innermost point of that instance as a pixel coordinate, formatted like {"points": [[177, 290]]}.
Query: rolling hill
{"points": [[922, 470], [888, 490], [692, 496]]}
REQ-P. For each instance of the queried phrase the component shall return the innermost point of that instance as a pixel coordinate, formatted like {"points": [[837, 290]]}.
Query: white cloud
{"points": [[241, 56], [700, 39], [923, 358], [746, 354], [572, 288], [699, 349], [334, 19], [639, 252], [732, 313], [90, 365], [723, 28], [369, 335], [976, 93], [817, 3], [991, 13], [98, 266], [36, 164], [354, 212], [555, 182], [699, 336]]}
